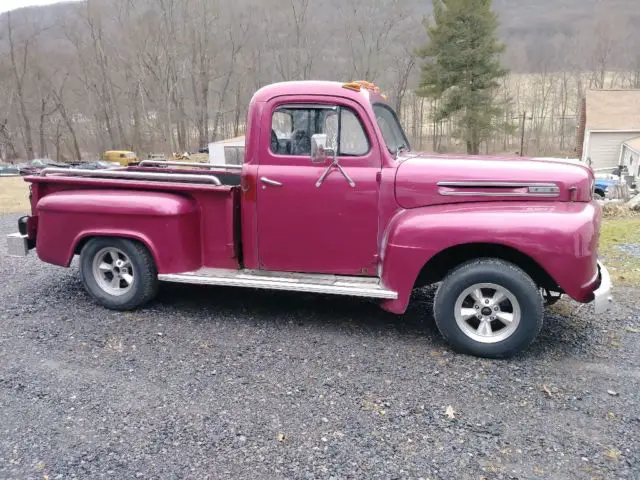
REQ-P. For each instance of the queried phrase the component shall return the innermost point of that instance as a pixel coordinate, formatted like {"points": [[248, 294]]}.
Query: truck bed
{"points": [[185, 224]]}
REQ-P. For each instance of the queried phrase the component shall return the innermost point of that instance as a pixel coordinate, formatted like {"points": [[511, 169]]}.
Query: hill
{"points": [[171, 75]]}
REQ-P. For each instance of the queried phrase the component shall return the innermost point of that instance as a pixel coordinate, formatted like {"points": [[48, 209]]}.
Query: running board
{"points": [[295, 282]]}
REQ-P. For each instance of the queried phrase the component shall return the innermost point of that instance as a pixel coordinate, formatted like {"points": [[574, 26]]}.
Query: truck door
{"points": [[311, 224]]}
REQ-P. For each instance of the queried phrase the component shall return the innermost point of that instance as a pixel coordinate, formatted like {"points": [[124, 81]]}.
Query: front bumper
{"points": [[602, 295]]}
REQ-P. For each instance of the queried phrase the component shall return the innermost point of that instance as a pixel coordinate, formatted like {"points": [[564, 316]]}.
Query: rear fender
{"points": [[561, 238], [167, 224], [86, 235]]}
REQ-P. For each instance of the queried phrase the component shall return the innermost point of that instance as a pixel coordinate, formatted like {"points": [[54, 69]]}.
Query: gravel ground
{"points": [[223, 383]]}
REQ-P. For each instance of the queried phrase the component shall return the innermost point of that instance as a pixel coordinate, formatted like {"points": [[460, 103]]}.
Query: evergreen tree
{"points": [[463, 67]]}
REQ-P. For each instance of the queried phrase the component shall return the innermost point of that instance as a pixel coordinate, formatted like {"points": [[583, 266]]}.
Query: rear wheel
{"points": [[119, 273], [489, 308]]}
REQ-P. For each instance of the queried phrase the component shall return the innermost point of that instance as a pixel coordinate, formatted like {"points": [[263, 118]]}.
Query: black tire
{"points": [[144, 286], [598, 195], [505, 275]]}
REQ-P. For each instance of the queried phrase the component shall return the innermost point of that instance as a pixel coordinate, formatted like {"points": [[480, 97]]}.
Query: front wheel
{"points": [[489, 308], [119, 273]]}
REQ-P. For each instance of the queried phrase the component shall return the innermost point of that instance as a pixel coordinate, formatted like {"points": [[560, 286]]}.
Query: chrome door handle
{"points": [[268, 181]]}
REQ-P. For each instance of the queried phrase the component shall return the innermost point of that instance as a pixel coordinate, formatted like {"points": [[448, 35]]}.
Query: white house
{"points": [[609, 120], [630, 157]]}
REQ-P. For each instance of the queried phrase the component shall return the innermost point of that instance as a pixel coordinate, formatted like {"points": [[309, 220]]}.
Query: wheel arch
{"points": [[85, 237], [438, 266], [432, 267]]}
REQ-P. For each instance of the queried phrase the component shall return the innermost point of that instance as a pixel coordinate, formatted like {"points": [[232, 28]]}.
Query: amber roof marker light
{"points": [[358, 85]]}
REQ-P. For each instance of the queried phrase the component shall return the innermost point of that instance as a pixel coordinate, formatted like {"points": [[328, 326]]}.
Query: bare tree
{"points": [[171, 75], [20, 68]]}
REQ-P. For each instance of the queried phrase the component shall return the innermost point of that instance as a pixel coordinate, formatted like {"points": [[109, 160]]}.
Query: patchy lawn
{"points": [[14, 195], [620, 249]]}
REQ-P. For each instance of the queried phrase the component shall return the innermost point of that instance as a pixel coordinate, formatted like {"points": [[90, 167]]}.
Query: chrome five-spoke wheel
{"points": [[113, 271], [487, 312]]}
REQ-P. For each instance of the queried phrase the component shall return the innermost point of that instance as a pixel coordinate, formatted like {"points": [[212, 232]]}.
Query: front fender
{"points": [[167, 224], [561, 237]]}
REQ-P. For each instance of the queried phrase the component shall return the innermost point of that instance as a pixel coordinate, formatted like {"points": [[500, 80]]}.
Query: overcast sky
{"points": [[6, 5]]}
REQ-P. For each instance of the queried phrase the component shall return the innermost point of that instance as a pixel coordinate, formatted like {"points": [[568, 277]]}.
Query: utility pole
{"points": [[524, 118]]}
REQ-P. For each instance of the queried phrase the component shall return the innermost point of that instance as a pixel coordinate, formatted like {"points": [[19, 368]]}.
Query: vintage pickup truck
{"points": [[331, 199]]}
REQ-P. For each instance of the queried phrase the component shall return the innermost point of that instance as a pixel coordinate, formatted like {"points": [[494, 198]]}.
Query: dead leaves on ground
{"points": [[375, 406], [547, 390], [613, 454]]}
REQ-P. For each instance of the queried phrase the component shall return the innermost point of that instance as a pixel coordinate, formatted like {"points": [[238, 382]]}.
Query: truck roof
{"points": [[315, 87]]}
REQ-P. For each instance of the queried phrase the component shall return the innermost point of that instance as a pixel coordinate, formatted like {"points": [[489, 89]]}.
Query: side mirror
{"points": [[319, 151]]}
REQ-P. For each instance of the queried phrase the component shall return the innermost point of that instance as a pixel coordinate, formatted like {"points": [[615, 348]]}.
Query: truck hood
{"points": [[425, 179]]}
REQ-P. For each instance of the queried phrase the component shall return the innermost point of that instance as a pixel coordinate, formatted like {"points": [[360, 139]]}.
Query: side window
{"points": [[353, 140], [293, 126], [281, 129]]}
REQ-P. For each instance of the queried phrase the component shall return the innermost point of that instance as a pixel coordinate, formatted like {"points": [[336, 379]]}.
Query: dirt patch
{"points": [[616, 210], [14, 195]]}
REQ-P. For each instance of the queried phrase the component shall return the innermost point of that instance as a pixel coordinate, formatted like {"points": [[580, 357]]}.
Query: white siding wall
{"points": [[633, 166], [604, 147]]}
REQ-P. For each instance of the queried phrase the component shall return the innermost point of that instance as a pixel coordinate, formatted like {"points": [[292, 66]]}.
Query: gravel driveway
{"points": [[224, 383]]}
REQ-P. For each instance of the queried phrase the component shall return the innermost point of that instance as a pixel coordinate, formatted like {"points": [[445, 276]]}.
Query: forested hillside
{"points": [[171, 75]]}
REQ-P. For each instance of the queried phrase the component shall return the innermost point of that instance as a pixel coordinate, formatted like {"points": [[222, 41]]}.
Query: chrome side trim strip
{"points": [[488, 184], [474, 193], [534, 189], [328, 284], [147, 163], [129, 175]]}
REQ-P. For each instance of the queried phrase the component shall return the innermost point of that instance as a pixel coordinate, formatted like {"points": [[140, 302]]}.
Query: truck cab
{"points": [[331, 199]]}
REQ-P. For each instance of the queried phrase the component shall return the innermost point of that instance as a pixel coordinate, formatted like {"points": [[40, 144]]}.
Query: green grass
{"points": [[623, 267]]}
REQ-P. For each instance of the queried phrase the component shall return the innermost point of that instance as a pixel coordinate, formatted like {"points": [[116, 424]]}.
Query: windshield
{"points": [[392, 132]]}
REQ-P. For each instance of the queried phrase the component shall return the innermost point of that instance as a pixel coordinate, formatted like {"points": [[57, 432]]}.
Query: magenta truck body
{"points": [[407, 220]]}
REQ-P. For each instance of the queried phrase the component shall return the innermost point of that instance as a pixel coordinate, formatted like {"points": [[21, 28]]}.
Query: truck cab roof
{"points": [[314, 87]]}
